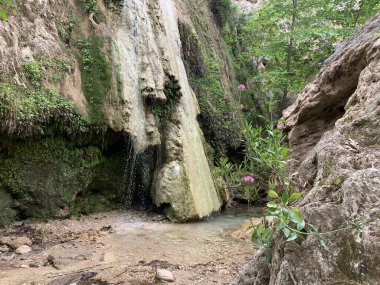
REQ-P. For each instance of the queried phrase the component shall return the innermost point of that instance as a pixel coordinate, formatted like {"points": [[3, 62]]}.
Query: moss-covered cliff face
{"points": [[60, 113], [69, 87], [211, 76]]}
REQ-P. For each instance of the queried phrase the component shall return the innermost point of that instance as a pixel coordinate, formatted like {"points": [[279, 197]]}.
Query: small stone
{"points": [[24, 266], [8, 257], [23, 249], [4, 248], [164, 275]]}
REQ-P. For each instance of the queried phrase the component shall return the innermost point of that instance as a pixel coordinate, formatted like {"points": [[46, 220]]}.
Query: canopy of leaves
{"points": [[281, 46]]}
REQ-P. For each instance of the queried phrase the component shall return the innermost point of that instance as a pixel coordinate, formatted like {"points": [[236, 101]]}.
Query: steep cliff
{"points": [[334, 132], [97, 109]]}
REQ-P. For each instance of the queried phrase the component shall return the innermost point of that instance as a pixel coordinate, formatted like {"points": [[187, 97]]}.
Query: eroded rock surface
{"points": [[97, 108], [334, 132]]}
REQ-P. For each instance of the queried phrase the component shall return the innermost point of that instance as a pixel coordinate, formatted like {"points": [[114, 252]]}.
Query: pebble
{"points": [[164, 275], [24, 266], [4, 248], [23, 249]]}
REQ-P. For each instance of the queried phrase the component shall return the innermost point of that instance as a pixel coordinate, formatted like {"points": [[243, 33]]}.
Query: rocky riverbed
{"points": [[125, 248]]}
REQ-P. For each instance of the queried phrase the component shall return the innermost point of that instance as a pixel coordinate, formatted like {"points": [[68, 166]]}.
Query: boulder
{"points": [[164, 275], [23, 249], [15, 242], [334, 132]]}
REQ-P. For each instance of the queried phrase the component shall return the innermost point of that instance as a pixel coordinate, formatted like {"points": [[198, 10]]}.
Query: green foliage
{"points": [[281, 46], [91, 6], [65, 30], [222, 10], [287, 220], [45, 176], [33, 72], [48, 69], [219, 120], [7, 7], [96, 76], [162, 112], [25, 112], [265, 159]]}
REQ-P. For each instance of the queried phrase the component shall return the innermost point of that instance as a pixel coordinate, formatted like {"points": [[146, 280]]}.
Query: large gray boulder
{"points": [[334, 132]]}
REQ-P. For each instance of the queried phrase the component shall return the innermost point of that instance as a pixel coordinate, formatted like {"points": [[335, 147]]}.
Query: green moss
{"points": [[46, 176], [8, 214], [45, 69], [26, 112], [219, 118], [96, 76], [163, 111], [219, 114], [91, 6]]}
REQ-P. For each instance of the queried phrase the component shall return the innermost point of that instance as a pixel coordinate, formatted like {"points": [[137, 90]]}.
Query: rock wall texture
{"points": [[98, 107], [334, 132]]}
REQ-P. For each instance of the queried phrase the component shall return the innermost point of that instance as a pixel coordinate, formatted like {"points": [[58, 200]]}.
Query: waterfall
{"points": [[148, 48], [133, 44]]}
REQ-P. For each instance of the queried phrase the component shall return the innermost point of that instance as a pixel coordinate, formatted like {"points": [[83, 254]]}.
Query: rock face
{"points": [[98, 107], [334, 132], [155, 72]]}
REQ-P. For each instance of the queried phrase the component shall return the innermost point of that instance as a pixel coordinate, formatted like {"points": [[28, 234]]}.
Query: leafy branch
{"points": [[287, 221]]}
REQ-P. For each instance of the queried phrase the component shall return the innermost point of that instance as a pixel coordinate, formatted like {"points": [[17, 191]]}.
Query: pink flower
{"points": [[249, 179], [241, 87]]}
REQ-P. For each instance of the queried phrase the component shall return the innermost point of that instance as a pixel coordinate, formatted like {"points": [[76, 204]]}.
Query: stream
{"points": [[127, 248]]}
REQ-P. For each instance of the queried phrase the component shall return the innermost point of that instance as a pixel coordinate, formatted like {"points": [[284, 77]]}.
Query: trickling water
{"points": [[129, 172], [149, 50], [128, 46]]}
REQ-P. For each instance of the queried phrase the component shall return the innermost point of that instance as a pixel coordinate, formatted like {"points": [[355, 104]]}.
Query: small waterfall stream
{"points": [[148, 48]]}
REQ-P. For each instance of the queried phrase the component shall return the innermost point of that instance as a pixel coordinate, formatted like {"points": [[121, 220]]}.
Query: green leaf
{"points": [[301, 225], [292, 236], [272, 194], [285, 198], [272, 205], [295, 196], [296, 215], [286, 232]]}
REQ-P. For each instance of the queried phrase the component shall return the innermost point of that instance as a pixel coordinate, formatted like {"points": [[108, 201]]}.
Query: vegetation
{"points": [[25, 112], [60, 170], [265, 160], [96, 76], [91, 6], [222, 10], [220, 118], [162, 112], [6, 7], [45, 69], [280, 47]]}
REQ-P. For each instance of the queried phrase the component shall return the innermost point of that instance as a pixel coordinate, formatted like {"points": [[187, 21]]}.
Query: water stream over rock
{"points": [[148, 49]]}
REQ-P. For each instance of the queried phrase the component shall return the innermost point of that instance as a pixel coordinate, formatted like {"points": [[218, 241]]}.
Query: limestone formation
{"points": [[334, 132], [87, 93]]}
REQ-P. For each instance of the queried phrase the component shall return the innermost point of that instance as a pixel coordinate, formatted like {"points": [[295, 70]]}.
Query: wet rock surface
{"points": [[334, 131]]}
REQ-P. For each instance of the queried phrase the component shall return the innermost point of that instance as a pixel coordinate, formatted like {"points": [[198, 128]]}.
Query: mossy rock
{"points": [[8, 214], [45, 177]]}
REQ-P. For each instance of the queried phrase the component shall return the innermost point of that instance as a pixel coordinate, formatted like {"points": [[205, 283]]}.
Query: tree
{"points": [[286, 41]]}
